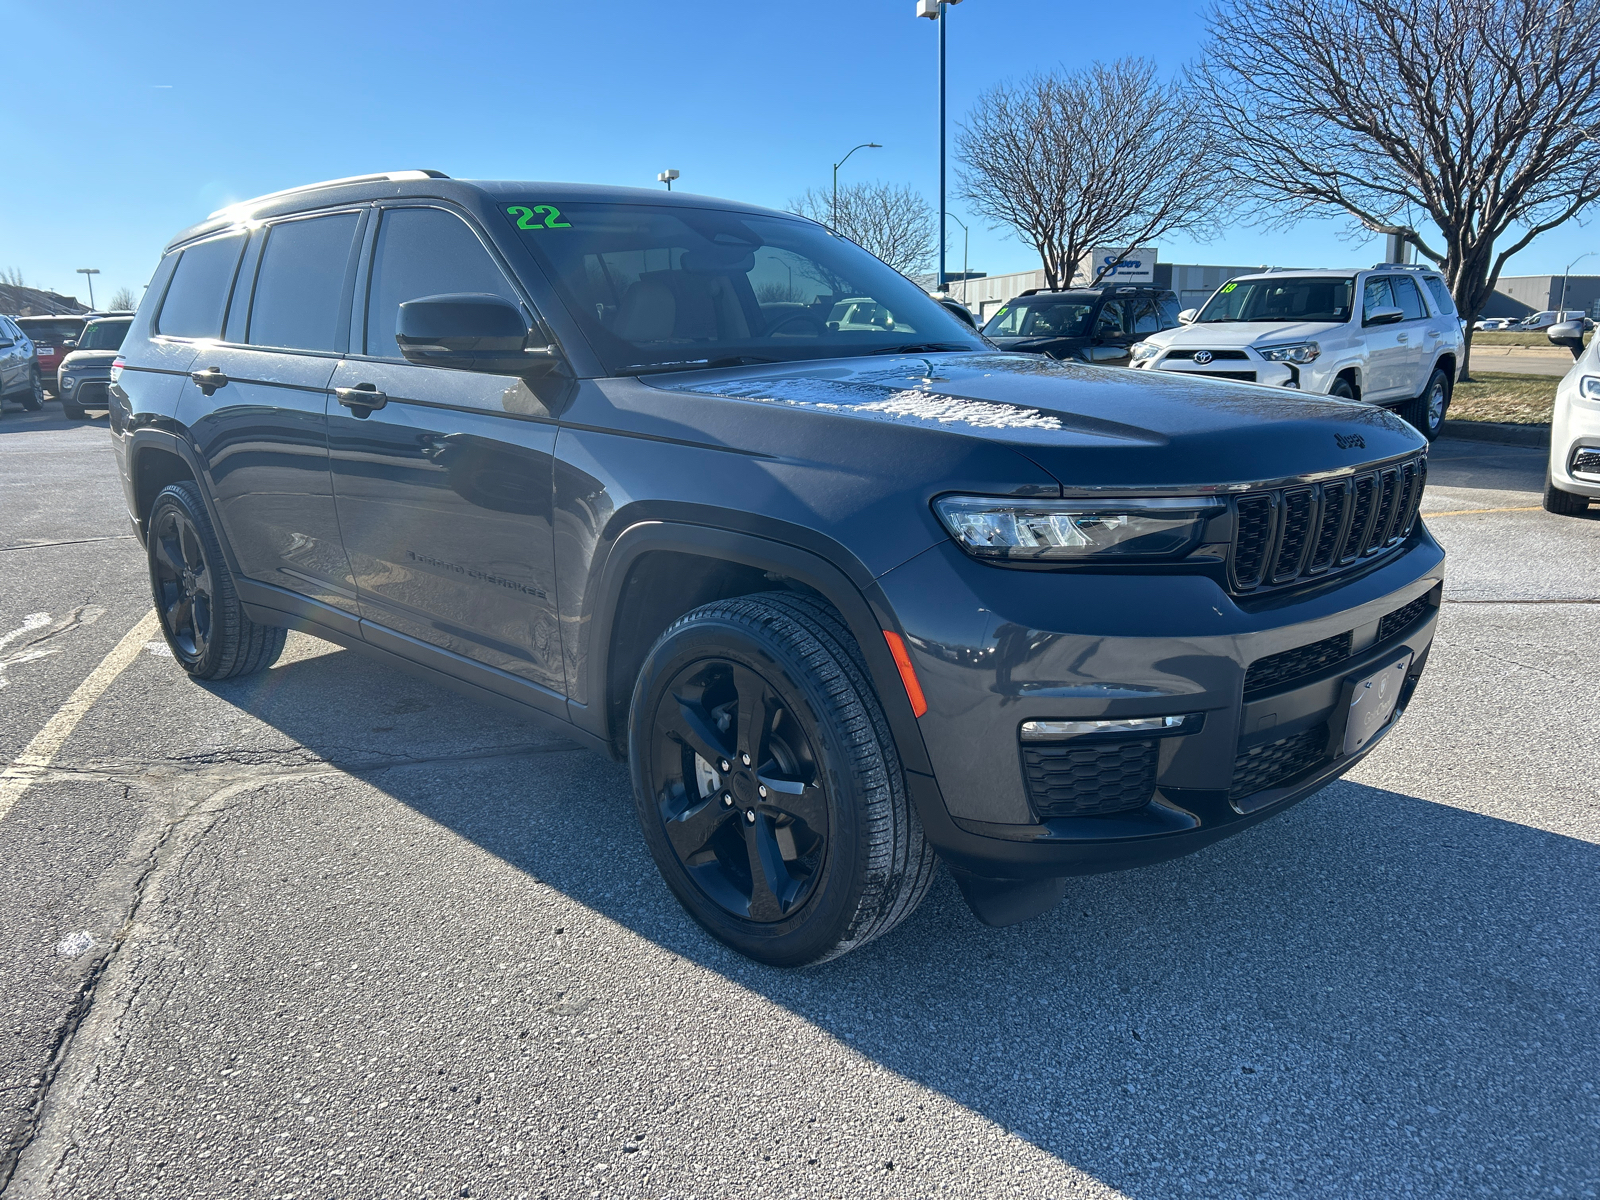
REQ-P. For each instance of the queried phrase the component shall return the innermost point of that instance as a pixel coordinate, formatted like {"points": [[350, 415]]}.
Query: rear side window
{"points": [[1109, 322], [424, 252], [1407, 299], [1145, 316], [193, 307], [300, 284], [1441, 295]]}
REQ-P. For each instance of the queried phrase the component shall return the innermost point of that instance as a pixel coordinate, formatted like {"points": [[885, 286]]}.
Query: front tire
{"points": [[1342, 390], [33, 398], [1426, 412], [201, 616], [1563, 504], [767, 783]]}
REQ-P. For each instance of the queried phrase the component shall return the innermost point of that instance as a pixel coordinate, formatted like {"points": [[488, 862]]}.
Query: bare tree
{"points": [[123, 297], [12, 276], [894, 223], [1481, 117], [1071, 161]]}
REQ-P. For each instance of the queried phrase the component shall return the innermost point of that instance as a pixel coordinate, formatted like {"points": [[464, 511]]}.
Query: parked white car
{"points": [[1490, 324], [1574, 475], [1388, 337], [1543, 320]]}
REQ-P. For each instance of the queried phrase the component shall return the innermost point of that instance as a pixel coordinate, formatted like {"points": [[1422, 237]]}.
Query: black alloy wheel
{"points": [[201, 617], [737, 790], [767, 783], [33, 398]]}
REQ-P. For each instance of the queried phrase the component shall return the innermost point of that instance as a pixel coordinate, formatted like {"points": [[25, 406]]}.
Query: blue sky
{"points": [[130, 121]]}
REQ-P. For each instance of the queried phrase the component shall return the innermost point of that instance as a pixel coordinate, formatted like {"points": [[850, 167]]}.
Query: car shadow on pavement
{"points": [[1370, 994]]}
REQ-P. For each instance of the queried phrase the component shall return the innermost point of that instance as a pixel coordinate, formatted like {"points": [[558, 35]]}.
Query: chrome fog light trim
{"points": [[1050, 731]]}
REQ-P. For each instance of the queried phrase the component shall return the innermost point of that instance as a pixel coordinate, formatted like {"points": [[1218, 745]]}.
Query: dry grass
{"points": [[1531, 338], [1514, 399]]}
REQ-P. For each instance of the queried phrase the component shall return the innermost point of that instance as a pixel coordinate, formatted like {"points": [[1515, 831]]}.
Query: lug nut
{"points": [[762, 790], [750, 816], [745, 759], [722, 764], [727, 799]]}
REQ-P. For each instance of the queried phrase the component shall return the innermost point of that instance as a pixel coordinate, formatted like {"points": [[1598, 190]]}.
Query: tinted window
{"points": [[48, 331], [104, 335], [424, 252], [1144, 316], [1407, 299], [1283, 298], [1441, 296], [300, 283], [1376, 296], [1169, 311], [1039, 317], [193, 307], [1109, 322]]}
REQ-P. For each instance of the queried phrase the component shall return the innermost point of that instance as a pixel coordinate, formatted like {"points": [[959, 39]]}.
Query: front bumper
{"points": [[994, 647], [1249, 367], [85, 388], [1574, 429]]}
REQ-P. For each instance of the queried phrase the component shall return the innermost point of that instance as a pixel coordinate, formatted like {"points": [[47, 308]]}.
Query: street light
{"points": [[833, 213], [1562, 306], [667, 177], [90, 273], [934, 11], [966, 237]]}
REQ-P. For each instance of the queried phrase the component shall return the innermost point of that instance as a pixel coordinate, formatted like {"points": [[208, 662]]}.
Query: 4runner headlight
{"points": [[1144, 350], [1076, 530], [1589, 387], [1293, 352]]}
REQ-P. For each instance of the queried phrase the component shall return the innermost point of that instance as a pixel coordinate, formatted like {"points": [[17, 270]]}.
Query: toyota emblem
{"points": [[1202, 357]]}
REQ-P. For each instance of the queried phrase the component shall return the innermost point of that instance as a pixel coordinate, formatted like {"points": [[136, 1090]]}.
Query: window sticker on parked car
{"points": [[1228, 287], [540, 216]]}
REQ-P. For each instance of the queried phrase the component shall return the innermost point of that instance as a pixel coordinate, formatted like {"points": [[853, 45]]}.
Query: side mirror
{"points": [[1107, 353], [1384, 316], [960, 310], [69, 344], [1187, 316], [1568, 334], [471, 331]]}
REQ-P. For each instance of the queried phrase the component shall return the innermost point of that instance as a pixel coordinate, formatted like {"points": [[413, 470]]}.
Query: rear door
{"points": [[444, 493], [1419, 335], [1388, 358], [262, 429]]}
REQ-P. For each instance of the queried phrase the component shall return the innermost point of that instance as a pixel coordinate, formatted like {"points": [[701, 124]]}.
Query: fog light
{"points": [[68, 384], [1047, 731]]}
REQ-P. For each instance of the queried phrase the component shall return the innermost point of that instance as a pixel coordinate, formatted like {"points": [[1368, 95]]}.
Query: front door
{"points": [[444, 492]]}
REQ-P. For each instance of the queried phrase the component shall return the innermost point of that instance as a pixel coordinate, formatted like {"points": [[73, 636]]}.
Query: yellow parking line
{"points": [[1464, 512], [37, 755]]}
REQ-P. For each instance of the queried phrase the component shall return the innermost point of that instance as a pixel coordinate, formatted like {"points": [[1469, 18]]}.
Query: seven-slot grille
{"points": [[1290, 534]]}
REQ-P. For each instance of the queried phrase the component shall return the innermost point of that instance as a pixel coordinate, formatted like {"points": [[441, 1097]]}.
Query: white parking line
{"points": [[37, 755]]}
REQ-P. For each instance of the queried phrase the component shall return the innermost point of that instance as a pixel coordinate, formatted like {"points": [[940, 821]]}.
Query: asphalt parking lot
{"points": [[331, 932]]}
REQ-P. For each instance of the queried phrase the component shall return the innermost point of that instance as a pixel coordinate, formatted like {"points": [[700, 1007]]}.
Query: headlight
{"points": [[1076, 530], [1589, 387], [1144, 350], [1293, 352]]}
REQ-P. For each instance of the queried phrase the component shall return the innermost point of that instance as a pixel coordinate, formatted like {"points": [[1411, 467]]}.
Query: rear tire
{"points": [[821, 810], [196, 601], [33, 398], [1426, 412], [1563, 504]]}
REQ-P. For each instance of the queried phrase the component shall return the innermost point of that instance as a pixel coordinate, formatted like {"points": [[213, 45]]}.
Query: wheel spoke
{"points": [[200, 621], [692, 830], [202, 581], [178, 615], [755, 712], [694, 730], [189, 543], [801, 800], [164, 556], [769, 878]]}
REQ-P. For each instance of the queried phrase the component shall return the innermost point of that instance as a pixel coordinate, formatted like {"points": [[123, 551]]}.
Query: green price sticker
{"points": [[540, 216], [1228, 287]]}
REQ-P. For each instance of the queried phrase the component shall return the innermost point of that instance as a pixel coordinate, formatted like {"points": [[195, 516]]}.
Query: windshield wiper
{"points": [[920, 348], [693, 364]]}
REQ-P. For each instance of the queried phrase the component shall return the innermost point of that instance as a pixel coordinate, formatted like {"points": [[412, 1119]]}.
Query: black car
{"points": [[850, 595], [1093, 324]]}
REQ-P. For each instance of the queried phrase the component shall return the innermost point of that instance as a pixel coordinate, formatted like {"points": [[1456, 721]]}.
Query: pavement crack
{"points": [[1569, 600], [120, 537]]}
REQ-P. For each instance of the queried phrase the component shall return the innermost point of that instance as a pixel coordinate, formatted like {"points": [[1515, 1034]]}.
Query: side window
{"points": [[300, 284], [1407, 299], [1376, 296], [199, 288], [1109, 322], [1145, 316], [1169, 311], [1441, 296], [424, 252]]}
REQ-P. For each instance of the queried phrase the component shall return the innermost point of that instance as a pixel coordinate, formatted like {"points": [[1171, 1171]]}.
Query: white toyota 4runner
{"points": [[1389, 336]]}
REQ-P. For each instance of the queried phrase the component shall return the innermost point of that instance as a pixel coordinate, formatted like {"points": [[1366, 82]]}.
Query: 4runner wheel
{"points": [[1426, 412], [33, 398], [767, 783], [204, 623], [1565, 504], [1342, 390]]}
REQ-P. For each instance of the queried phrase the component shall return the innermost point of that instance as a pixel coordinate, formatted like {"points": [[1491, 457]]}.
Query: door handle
{"points": [[1431, 332], [1403, 337], [209, 380], [362, 400]]}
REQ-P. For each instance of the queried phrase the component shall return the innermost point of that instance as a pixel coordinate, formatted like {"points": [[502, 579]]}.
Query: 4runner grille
{"points": [[1289, 535], [1089, 781], [1218, 355]]}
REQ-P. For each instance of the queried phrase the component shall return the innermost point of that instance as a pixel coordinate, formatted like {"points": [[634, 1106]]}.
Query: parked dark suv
{"points": [[53, 339], [848, 597], [1092, 324]]}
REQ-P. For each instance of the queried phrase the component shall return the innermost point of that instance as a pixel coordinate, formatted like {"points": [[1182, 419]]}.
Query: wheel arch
{"points": [[1352, 375], [658, 570], [1446, 362], [157, 458]]}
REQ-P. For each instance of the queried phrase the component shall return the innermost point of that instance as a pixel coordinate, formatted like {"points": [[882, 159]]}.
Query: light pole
{"points": [[667, 177], [89, 273], [966, 238], [1560, 307], [833, 212], [934, 10]]}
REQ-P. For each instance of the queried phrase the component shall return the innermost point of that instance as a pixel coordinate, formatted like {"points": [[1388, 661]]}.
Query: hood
{"points": [[1238, 334], [90, 358], [1087, 426]]}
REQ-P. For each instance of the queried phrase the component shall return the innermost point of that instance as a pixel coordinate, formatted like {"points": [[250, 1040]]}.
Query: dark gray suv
{"points": [[850, 595]]}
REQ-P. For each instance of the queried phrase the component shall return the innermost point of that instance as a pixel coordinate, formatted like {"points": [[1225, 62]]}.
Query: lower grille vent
{"points": [[1090, 781], [1262, 767], [1586, 461], [1402, 619], [1292, 664]]}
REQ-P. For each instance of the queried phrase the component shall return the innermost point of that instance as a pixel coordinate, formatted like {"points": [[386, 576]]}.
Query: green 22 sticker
{"points": [[1228, 287], [540, 216]]}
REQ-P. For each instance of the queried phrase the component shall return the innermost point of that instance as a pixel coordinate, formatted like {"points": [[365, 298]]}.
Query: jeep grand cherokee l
{"points": [[848, 600]]}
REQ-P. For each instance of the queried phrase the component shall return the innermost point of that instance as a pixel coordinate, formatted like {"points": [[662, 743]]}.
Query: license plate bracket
{"points": [[1370, 700]]}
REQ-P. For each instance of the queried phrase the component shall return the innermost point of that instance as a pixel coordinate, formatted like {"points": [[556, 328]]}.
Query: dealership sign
{"points": [[1113, 266]]}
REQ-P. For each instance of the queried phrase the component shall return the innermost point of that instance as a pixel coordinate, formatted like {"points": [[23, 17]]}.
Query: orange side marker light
{"points": [[908, 675]]}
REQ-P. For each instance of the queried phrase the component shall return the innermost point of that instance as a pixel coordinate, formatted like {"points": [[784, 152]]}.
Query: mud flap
{"points": [[999, 902]]}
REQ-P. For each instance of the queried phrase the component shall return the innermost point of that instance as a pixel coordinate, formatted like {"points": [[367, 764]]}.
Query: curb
{"points": [[1494, 431]]}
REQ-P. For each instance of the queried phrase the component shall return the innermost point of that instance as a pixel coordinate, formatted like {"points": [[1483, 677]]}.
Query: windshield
{"points": [[664, 288], [104, 335], [50, 332], [1282, 298], [1042, 317]]}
